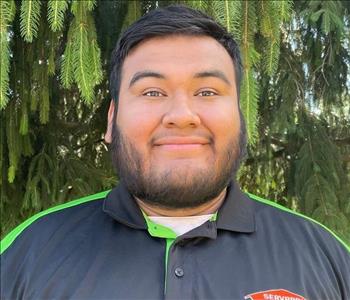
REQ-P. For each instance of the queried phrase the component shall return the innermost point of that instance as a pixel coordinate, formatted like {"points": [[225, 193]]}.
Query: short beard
{"points": [[163, 191]]}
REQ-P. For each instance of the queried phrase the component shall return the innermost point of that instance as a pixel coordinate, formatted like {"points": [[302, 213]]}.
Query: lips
{"points": [[175, 143], [190, 140]]}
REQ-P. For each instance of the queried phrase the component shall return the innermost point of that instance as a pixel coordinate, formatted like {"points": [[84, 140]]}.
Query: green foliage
{"points": [[328, 13], [82, 59], [133, 13], [270, 30], [228, 13], [30, 15], [67, 62], [320, 181], [249, 101], [13, 143], [7, 13], [95, 53], [23, 127], [294, 96], [81, 62], [249, 91], [284, 9], [55, 13]]}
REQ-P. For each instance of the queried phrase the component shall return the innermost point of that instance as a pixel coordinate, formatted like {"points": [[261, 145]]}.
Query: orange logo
{"points": [[274, 295]]}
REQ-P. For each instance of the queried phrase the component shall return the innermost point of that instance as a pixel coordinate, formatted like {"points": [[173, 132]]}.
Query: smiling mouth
{"points": [[182, 144], [179, 147], [178, 143]]}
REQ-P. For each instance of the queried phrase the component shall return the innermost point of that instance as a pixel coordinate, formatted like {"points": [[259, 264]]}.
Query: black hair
{"points": [[171, 20]]}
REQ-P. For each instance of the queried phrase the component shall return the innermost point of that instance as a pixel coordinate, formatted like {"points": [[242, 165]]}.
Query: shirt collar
{"points": [[237, 211], [122, 206], [235, 214]]}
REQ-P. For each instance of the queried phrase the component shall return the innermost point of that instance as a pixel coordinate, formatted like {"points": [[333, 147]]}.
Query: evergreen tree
{"points": [[294, 95]]}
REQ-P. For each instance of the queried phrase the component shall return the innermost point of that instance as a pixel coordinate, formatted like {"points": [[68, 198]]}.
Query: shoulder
{"points": [[41, 243], [295, 227], [300, 242], [45, 223]]}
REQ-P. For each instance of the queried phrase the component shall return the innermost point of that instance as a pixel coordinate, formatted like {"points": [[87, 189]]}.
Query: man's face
{"points": [[176, 136]]}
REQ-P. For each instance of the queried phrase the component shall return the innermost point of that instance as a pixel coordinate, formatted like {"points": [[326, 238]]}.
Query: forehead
{"points": [[178, 55]]}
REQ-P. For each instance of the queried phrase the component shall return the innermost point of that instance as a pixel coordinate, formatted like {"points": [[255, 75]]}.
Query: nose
{"points": [[180, 113]]}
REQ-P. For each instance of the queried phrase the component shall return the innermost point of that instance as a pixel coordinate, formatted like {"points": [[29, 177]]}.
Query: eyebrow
{"points": [[204, 74]]}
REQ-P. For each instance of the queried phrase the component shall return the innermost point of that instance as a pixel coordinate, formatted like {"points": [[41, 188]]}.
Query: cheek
{"points": [[138, 123], [224, 124]]}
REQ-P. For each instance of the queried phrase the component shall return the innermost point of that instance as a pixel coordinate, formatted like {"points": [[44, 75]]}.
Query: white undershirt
{"points": [[181, 225]]}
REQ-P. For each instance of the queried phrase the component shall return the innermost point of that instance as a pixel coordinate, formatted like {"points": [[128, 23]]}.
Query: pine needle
{"points": [[249, 90], [13, 141], [229, 13], [5, 68], [270, 30], [82, 63], [285, 9], [95, 52], [249, 104], [30, 15], [55, 13], [23, 127], [66, 75], [7, 13]]}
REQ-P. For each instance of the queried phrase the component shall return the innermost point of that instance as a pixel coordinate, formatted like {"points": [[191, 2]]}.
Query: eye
{"points": [[207, 93], [152, 94]]}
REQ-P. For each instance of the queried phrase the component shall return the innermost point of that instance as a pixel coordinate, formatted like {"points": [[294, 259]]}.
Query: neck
{"points": [[205, 209]]}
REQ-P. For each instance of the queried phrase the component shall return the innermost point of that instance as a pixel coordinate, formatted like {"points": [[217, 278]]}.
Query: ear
{"points": [[108, 134]]}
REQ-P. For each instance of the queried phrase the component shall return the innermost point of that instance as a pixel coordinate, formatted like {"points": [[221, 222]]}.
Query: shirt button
{"points": [[179, 272]]}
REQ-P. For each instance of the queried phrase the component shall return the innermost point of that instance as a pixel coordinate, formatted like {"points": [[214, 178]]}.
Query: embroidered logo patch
{"points": [[274, 295]]}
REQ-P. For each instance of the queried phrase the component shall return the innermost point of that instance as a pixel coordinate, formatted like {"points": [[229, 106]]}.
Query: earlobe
{"points": [[108, 134]]}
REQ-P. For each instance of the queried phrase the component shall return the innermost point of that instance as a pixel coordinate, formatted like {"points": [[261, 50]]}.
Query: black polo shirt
{"points": [[101, 247]]}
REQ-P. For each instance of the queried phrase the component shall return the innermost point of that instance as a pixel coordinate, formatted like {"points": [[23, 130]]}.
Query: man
{"points": [[177, 226]]}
